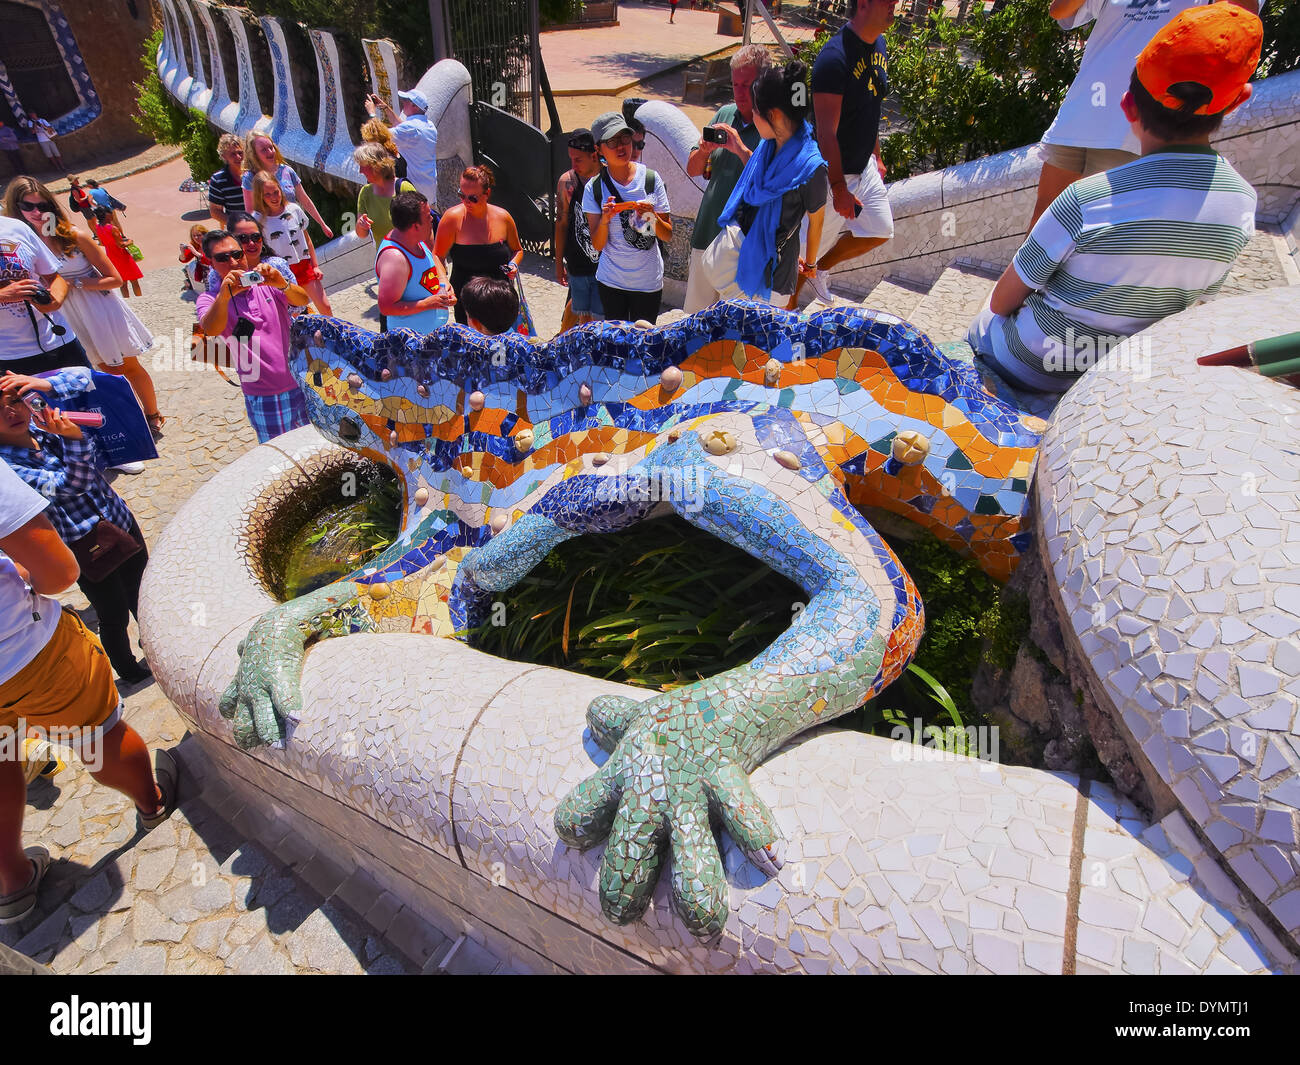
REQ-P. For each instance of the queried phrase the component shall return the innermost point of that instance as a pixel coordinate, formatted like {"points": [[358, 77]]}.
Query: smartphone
{"points": [[251, 277], [87, 421], [714, 135]]}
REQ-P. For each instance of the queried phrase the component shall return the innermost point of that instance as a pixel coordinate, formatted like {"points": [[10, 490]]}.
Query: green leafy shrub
{"points": [[972, 89], [657, 606], [157, 115], [1281, 51]]}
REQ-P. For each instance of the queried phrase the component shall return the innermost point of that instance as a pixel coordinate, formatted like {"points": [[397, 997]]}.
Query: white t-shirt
{"points": [[44, 131], [22, 637], [621, 265], [23, 256], [286, 234], [1090, 116]]}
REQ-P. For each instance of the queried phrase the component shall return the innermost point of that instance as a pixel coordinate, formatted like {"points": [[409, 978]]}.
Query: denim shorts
{"points": [[584, 295]]}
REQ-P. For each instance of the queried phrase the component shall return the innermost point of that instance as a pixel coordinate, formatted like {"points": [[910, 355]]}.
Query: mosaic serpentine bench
{"points": [[461, 774]]}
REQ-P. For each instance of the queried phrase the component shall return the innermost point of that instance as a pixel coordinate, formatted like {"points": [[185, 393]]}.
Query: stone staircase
{"points": [[944, 310]]}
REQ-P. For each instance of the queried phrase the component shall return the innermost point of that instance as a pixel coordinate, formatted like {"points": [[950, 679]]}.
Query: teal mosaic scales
{"points": [[771, 430]]}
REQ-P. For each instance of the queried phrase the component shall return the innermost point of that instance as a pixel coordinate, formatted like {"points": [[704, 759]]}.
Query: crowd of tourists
{"points": [[1135, 220]]}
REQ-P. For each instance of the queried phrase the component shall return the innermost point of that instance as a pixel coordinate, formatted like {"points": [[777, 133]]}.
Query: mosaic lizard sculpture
{"points": [[766, 428]]}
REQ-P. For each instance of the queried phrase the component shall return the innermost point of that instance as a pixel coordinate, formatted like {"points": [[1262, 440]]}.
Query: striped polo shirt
{"points": [[1118, 251], [225, 191]]}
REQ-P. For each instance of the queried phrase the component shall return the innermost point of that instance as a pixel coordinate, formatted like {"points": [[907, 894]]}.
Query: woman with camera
{"points": [[756, 253], [109, 330], [627, 211], [33, 336], [251, 307]]}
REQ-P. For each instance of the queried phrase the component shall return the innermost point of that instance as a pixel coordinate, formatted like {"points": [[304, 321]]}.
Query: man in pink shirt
{"points": [[258, 316]]}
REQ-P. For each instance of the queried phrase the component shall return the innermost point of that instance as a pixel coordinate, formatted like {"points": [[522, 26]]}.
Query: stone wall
{"points": [[106, 42]]}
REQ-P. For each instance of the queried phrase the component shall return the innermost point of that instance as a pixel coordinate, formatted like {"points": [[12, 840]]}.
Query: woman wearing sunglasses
{"points": [[111, 333], [246, 229], [257, 314], [480, 238], [33, 336], [627, 209]]}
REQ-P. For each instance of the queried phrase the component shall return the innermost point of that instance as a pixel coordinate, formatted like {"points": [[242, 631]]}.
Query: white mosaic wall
{"points": [[1170, 499]]}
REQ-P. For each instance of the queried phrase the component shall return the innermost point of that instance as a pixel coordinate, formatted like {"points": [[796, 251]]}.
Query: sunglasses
{"points": [[35, 205], [621, 141], [227, 256], [639, 145], [247, 238], [468, 197]]}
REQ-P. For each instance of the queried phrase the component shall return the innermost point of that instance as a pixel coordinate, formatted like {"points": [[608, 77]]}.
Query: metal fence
{"points": [[497, 42]]}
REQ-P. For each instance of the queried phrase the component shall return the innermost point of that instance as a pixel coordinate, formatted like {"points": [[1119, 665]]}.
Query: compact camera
{"points": [[714, 135]]}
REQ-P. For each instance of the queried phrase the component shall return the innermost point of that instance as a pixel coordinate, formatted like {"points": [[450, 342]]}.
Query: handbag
{"points": [[103, 549], [134, 249]]}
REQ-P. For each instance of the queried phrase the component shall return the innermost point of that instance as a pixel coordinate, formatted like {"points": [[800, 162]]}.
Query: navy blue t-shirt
{"points": [[857, 71]]}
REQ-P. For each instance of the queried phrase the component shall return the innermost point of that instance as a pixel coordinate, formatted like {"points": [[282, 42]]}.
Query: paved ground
{"points": [[611, 59]]}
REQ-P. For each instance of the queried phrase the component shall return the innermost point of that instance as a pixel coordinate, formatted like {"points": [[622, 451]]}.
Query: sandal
{"points": [[18, 905], [156, 422], [168, 773]]}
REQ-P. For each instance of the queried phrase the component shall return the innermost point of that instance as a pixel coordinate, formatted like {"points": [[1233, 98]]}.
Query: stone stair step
{"points": [[896, 296], [947, 310]]}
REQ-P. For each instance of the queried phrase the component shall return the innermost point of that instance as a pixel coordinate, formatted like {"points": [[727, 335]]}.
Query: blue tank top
{"points": [[424, 281]]}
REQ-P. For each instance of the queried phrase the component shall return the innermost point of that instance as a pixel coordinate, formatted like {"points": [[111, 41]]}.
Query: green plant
{"points": [[157, 115], [199, 146], [657, 606], [1281, 51], [970, 90]]}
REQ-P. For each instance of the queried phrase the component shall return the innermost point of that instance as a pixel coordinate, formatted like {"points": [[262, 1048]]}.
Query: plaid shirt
{"points": [[68, 472]]}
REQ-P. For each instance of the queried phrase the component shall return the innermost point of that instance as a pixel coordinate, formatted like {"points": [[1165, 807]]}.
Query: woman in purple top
{"points": [[258, 315]]}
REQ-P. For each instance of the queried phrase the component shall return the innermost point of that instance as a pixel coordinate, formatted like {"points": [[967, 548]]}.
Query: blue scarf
{"points": [[767, 177]]}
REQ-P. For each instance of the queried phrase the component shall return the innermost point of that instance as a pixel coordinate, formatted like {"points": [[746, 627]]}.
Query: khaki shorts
{"points": [[67, 690], [1085, 161]]}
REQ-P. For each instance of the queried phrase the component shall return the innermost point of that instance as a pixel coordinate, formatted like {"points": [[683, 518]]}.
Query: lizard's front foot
{"points": [[266, 690], [673, 763]]}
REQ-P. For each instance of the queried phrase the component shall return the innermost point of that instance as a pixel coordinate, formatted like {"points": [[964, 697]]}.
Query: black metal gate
{"points": [[498, 42]]}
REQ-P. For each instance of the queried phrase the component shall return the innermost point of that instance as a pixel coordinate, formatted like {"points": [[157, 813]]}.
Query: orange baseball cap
{"points": [[1216, 46]]}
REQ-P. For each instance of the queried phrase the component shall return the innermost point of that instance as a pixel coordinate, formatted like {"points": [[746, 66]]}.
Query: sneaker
{"points": [[819, 286], [129, 467], [18, 905]]}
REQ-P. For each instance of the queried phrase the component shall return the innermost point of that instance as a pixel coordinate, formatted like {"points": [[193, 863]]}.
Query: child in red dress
{"points": [[115, 248]]}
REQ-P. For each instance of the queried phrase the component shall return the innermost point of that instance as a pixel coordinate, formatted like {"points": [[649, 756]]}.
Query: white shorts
{"points": [[876, 219], [48, 148]]}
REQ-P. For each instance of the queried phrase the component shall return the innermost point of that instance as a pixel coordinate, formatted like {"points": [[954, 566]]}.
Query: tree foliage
{"points": [[1281, 51], [997, 80], [970, 90]]}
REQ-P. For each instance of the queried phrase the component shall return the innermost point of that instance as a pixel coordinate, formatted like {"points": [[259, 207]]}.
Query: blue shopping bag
{"points": [[125, 435]]}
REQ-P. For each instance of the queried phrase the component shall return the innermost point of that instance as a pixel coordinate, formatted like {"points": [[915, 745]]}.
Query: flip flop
{"points": [[18, 905], [167, 773]]}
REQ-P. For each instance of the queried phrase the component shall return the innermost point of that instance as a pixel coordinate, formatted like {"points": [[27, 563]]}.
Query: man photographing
{"points": [[721, 161], [416, 138]]}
